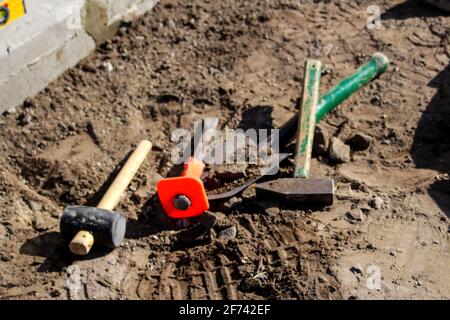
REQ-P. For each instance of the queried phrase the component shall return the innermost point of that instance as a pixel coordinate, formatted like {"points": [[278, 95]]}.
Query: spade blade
{"points": [[315, 191]]}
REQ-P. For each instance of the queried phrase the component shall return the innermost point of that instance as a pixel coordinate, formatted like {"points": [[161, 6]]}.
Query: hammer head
{"points": [[192, 188], [107, 227], [316, 191]]}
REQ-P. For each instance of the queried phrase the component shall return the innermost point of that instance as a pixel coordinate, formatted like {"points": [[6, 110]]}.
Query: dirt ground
{"points": [[386, 237]]}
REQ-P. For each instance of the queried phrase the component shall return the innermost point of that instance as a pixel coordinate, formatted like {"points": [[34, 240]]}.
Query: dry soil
{"points": [[386, 236]]}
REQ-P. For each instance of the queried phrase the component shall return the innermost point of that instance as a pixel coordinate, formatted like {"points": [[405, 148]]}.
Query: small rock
{"points": [[376, 100], [91, 129], [228, 233], [327, 69], [24, 119], [377, 203], [231, 204], [219, 215], [42, 222], [132, 187], [5, 257], [356, 215], [124, 52], [208, 220], [321, 140], [365, 208], [360, 142], [272, 211], [248, 224], [107, 66], [249, 193], [89, 68], [222, 223], [29, 103], [318, 226], [339, 151], [356, 269]]}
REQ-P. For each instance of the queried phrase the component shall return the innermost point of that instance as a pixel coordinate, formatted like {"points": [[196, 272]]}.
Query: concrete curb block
{"points": [[104, 16], [54, 36]]}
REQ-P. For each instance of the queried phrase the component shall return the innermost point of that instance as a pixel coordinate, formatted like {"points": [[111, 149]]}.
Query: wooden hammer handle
{"points": [[123, 179], [307, 118], [193, 168]]}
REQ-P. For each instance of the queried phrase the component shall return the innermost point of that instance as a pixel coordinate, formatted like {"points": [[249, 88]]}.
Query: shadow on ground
{"points": [[431, 144], [412, 9], [51, 246]]}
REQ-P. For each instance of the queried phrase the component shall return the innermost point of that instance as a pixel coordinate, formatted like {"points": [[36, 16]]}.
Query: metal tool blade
{"points": [[245, 185], [318, 191]]}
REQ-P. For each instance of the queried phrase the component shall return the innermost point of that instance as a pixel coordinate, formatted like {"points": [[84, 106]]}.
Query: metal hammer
{"points": [[82, 224], [376, 66], [300, 188]]}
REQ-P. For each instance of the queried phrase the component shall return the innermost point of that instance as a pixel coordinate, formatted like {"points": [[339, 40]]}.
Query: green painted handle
{"points": [[377, 65], [307, 118]]}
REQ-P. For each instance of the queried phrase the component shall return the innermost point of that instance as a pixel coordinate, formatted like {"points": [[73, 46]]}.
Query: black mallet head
{"points": [[107, 227]]}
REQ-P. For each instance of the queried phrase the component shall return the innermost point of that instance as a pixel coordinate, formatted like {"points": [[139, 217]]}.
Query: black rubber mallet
{"points": [[300, 188], [83, 225]]}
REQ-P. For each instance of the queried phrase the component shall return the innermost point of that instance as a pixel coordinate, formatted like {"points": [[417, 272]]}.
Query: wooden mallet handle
{"points": [[126, 174], [82, 243]]}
